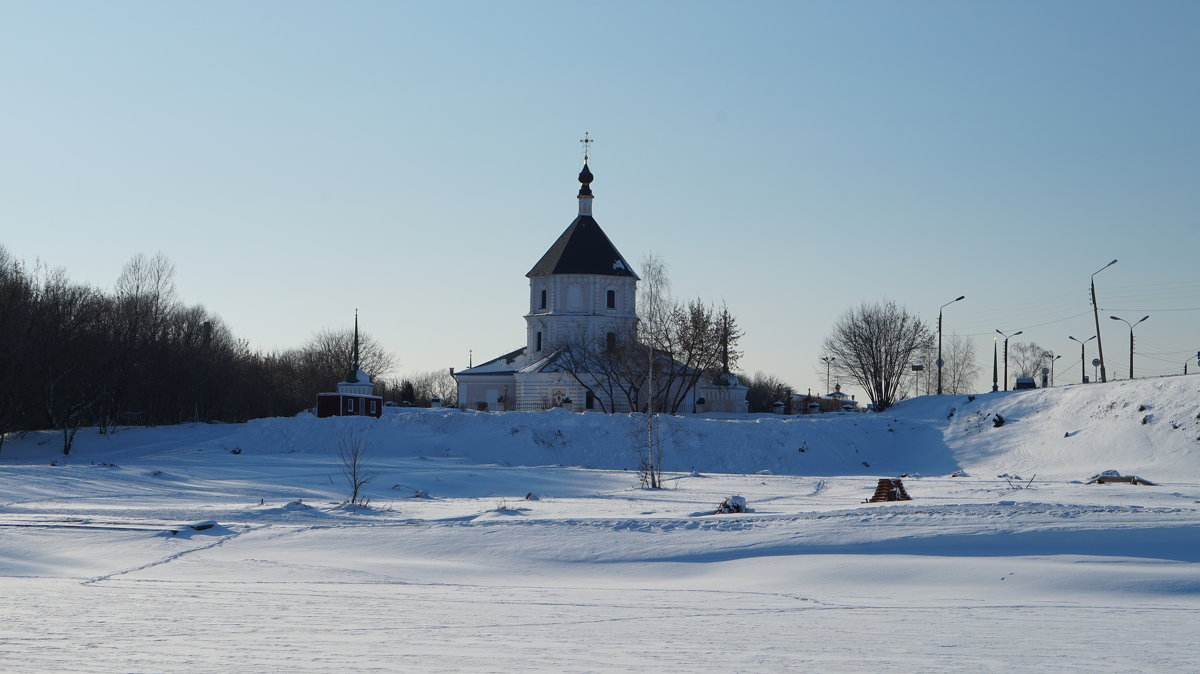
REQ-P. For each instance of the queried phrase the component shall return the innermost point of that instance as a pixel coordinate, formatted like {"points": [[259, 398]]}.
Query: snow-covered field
{"points": [[451, 568]]}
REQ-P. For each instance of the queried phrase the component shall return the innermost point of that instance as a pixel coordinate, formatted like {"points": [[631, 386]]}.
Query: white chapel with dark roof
{"points": [[582, 290]]}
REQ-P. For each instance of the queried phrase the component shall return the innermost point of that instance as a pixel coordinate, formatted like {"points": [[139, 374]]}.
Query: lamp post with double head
{"points": [[1082, 357], [828, 360], [1006, 338], [940, 362], [1096, 313], [1118, 318]]}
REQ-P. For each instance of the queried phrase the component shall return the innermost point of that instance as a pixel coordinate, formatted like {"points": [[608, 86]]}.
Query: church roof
{"points": [[499, 365], [583, 248]]}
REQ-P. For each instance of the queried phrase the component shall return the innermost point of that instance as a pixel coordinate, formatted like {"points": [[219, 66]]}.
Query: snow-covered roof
{"points": [[360, 377], [509, 362]]}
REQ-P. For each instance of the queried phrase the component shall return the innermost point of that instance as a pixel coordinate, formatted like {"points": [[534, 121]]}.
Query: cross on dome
{"points": [[586, 142]]}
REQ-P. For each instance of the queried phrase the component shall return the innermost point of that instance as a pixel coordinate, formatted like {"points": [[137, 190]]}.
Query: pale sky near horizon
{"points": [[298, 160]]}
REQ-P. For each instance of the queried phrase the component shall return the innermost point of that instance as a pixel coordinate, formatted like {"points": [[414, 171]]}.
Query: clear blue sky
{"points": [[296, 160]]}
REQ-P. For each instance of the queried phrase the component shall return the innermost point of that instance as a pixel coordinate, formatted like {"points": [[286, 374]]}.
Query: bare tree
{"points": [[698, 341], [873, 345], [765, 390], [352, 460], [1026, 359], [920, 382], [960, 367], [331, 352], [654, 303]]}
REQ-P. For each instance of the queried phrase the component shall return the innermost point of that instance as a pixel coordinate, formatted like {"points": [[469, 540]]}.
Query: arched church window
{"points": [[575, 297], [543, 305], [610, 341], [612, 299], [539, 341]]}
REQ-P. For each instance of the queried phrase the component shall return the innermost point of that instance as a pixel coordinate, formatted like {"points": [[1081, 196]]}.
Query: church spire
{"points": [[352, 375], [357, 362], [585, 179]]}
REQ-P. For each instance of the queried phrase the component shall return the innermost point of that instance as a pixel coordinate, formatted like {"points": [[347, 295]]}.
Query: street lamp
{"points": [[1082, 357], [1096, 312], [1117, 318], [828, 360], [939, 360], [1006, 337], [1052, 368]]}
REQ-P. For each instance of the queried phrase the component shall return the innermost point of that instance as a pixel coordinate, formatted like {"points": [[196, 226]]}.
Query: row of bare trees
{"points": [[72, 355]]}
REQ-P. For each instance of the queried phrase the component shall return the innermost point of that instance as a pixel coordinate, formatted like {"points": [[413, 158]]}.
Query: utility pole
{"points": [[1096, 313]]}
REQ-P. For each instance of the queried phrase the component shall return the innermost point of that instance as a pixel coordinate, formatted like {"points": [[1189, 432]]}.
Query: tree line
{"points": [[72, 355]]}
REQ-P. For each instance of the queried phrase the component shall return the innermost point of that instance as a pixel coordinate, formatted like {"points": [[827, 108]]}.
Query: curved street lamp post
{"points": [[1118, 318], [940, 362], [1082, 357], [1096, 312], [828, 360], [1006, 338]]}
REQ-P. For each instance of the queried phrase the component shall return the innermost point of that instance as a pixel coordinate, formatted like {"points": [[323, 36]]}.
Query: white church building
{"points": [[581, 290]]}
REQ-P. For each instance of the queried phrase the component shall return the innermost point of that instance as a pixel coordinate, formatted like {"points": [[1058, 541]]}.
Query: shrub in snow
{"points": [[733, 504], [998, 421]]}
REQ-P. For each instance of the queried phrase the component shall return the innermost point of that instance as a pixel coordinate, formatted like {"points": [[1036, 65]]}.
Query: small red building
{"points": [[354, 397], [349, 405]]}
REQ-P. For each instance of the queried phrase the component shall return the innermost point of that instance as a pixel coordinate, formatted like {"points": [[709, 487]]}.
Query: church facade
{"points": [[582, 297]]}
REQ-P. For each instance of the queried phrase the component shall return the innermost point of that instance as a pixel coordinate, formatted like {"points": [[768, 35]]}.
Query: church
{"points": [[582, 292]]}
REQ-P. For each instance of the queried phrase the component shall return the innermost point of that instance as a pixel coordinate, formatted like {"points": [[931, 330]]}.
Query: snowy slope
{"points": [[452, 569], [1148, 427]]}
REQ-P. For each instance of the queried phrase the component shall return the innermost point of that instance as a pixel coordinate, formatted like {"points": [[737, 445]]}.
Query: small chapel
{"points": [[355, 393], [581, 290]]}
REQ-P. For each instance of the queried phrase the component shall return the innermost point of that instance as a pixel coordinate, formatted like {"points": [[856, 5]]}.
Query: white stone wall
{"points": [[577, 305]]}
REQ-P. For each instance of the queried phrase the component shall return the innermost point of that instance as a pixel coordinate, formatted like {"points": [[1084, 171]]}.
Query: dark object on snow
{"points": [[532, 496], [1146, 419], [732, 504], [198, 526], [970, 399], [998, 421], [889, 490], [1113, 476]]}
